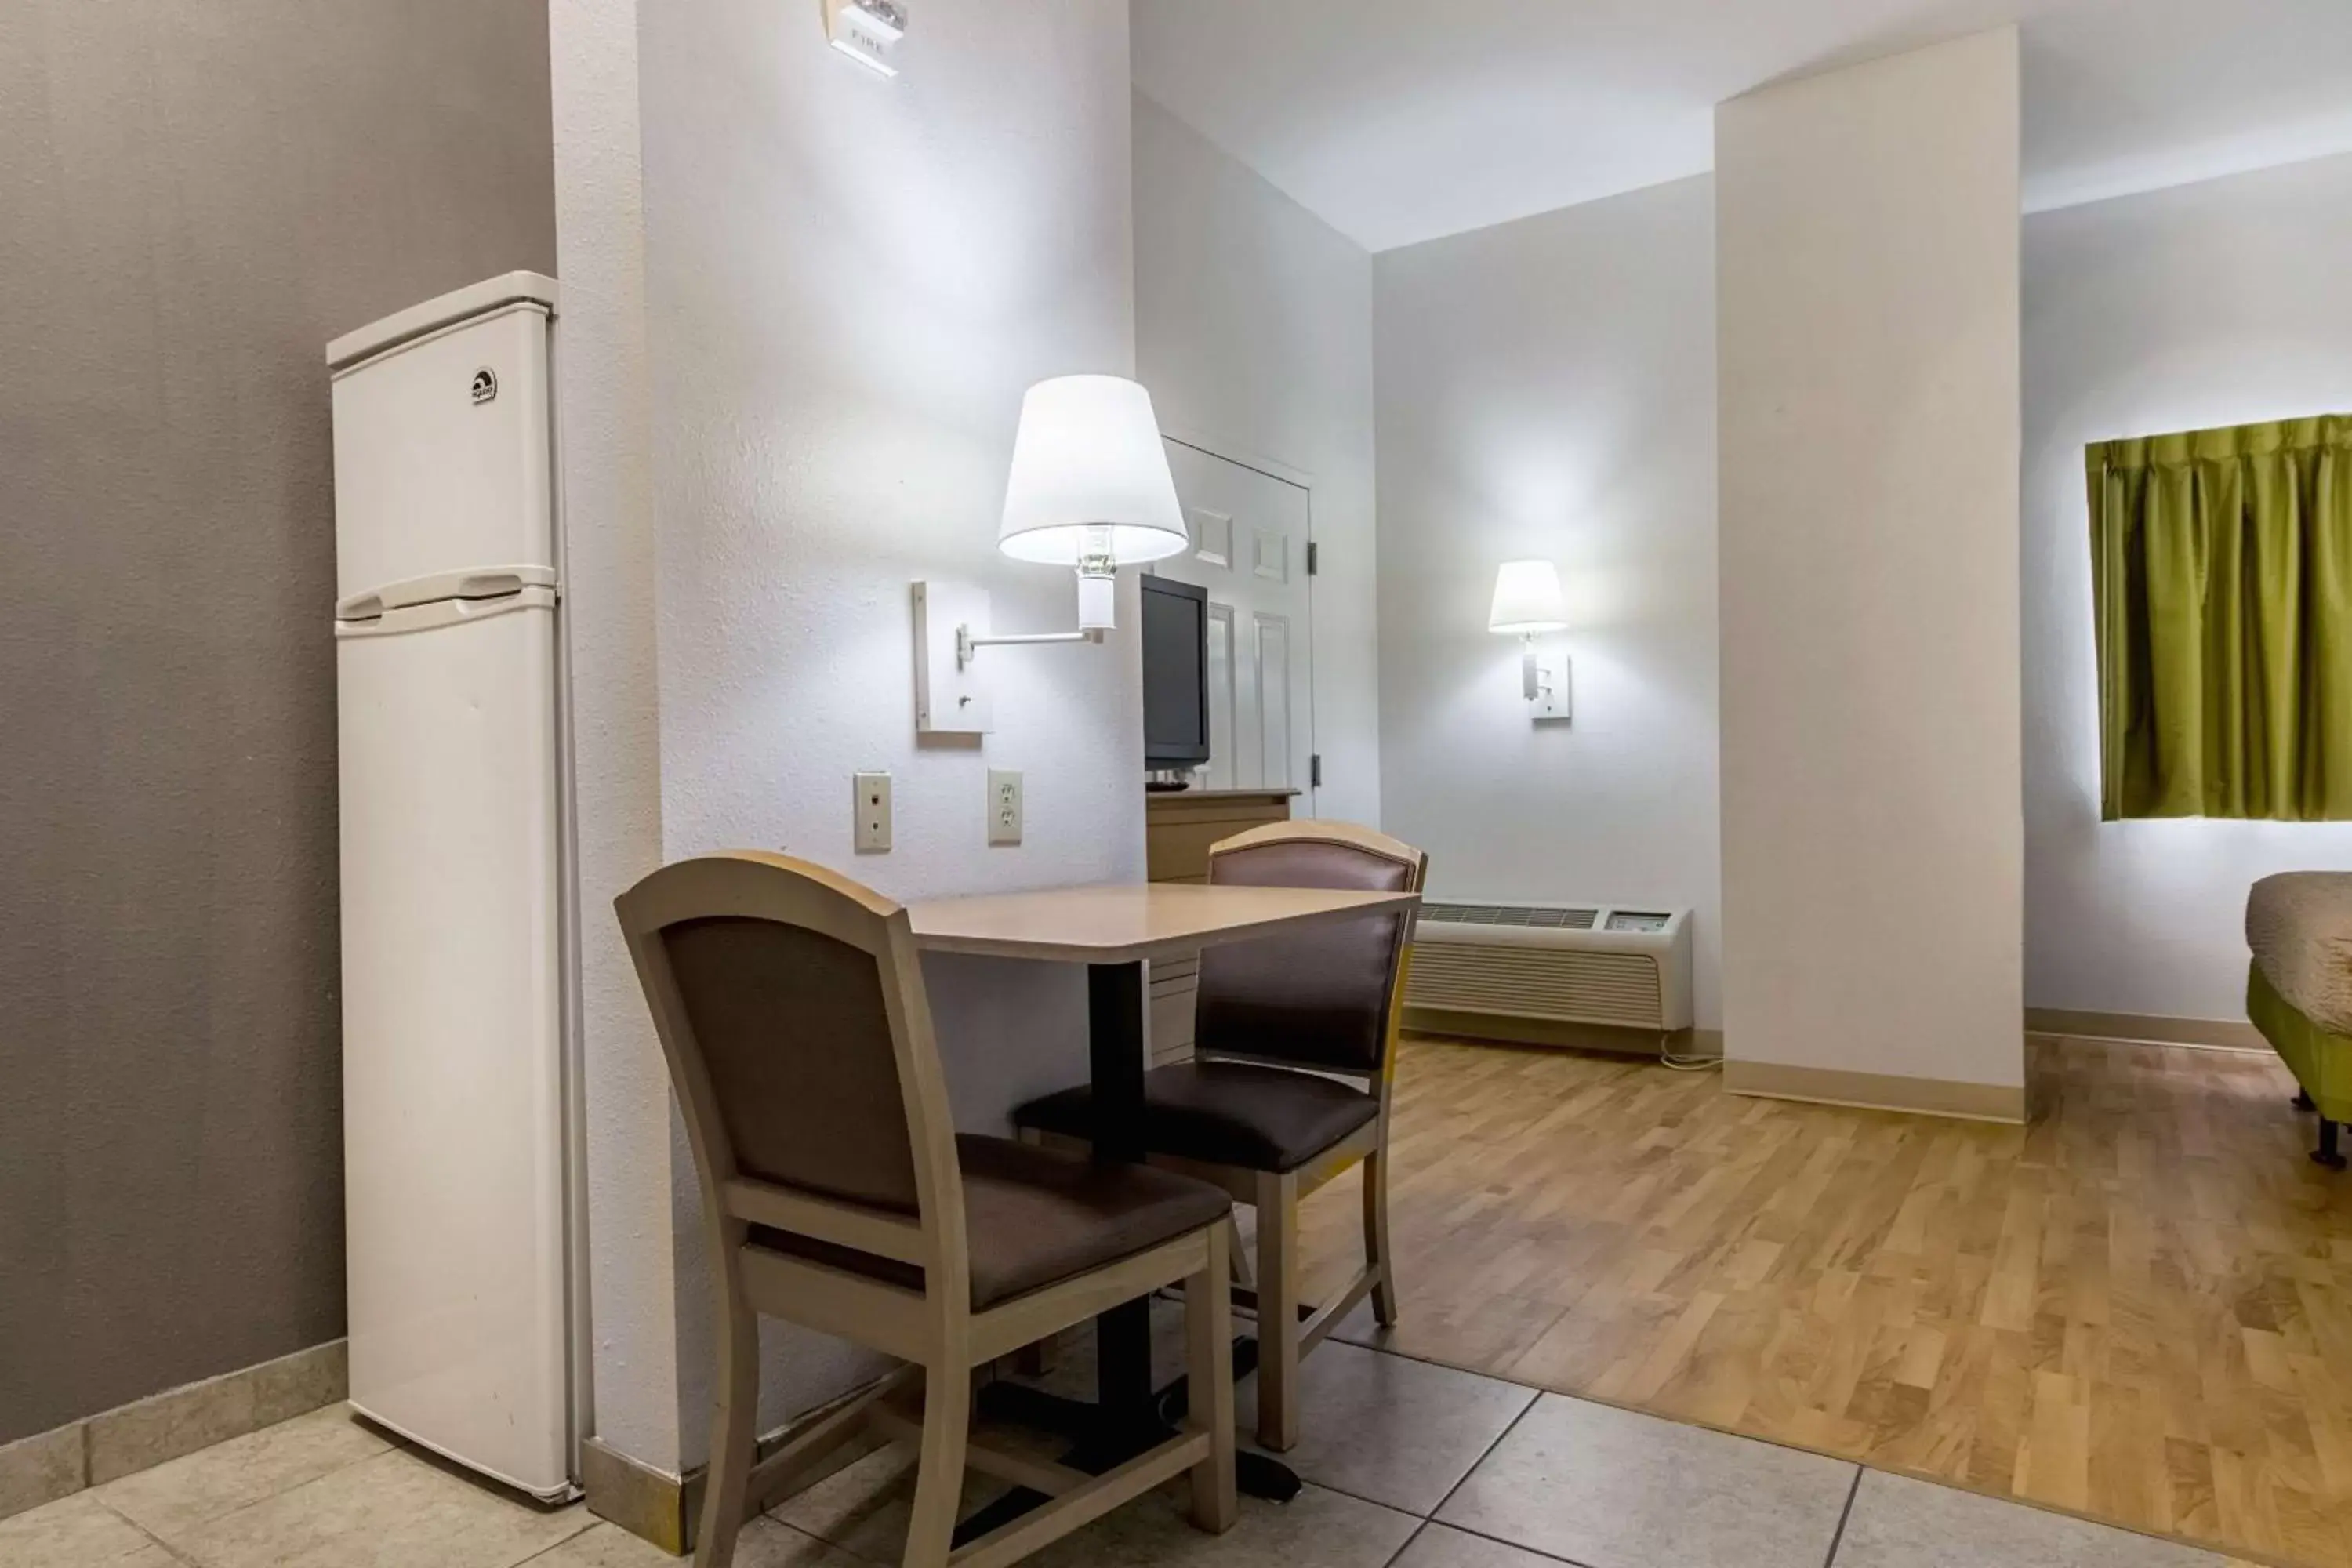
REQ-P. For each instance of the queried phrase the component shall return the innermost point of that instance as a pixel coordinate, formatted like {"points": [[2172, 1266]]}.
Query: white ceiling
{"points": [[1398, 120]]}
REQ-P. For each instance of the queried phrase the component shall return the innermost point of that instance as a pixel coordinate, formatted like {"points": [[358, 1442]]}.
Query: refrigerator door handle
{"points": [[473, 583], [444, 613]]}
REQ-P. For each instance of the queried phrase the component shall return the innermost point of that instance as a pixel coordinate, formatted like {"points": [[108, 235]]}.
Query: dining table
{"points": [[1114, 930]]}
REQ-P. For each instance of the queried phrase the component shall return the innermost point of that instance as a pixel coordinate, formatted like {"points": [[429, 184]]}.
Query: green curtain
{"points": [[2221, 570]]}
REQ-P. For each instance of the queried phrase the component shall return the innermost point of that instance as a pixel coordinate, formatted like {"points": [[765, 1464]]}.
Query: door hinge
{"points": [[1315, 771], [1313, 565]]}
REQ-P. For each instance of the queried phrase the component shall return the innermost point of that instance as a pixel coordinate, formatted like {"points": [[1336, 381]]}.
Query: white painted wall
{"points": [[1253, 331], [2220, 303], [1872, 841], [608, 593], [1547, 389], [851, 282]]}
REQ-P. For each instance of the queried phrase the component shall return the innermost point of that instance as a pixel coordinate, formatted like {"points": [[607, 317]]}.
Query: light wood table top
{"points": [[1123, 923]]}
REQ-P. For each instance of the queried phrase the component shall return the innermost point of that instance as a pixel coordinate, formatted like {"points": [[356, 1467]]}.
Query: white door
{"points": [[1249, 550], [453, 1080]]}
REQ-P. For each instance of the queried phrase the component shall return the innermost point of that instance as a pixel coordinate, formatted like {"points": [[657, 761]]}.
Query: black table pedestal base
{"points": [[1100, 1444], [1130, 1417]]}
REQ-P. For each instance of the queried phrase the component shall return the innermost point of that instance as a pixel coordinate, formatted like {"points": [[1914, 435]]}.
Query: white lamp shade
{"points": [[1527, 599], [1089, 474]]}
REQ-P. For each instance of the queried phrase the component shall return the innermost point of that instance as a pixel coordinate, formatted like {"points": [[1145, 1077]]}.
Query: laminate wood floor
{"points": [[2138, 1309]]}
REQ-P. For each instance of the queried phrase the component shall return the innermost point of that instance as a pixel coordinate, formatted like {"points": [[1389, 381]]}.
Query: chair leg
{"points": [[1378, 1257], [734, 1431], [938, 1480], [1242, 1273], [1209, 1384], [1277, 1312]]}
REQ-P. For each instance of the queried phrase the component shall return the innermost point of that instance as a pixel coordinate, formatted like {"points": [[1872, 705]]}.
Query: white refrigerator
{"points": [[461, 1095]]}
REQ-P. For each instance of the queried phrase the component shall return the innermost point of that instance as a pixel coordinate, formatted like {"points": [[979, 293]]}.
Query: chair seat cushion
{"points": [[1035, 1217], [1224, 1113], [2299, 925]]}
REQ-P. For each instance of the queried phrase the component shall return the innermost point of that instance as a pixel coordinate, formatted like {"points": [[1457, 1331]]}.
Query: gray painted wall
{"points": [[193, 199]]}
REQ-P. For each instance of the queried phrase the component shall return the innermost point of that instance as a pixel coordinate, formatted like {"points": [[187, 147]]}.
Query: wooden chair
{"points": [[1257, 1111], [790, 1007]]}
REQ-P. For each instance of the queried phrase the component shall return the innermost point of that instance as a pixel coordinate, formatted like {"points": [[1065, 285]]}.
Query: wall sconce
{"points": [[1527, 605], [1089, 490], [867, 31]]}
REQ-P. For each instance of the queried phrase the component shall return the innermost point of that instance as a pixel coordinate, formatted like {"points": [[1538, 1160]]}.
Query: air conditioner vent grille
{"points": [[1611, 988], [1510, 915]]}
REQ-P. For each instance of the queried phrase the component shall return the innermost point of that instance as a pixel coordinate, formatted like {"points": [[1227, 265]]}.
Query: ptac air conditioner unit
{"points": [[1615, 967]]}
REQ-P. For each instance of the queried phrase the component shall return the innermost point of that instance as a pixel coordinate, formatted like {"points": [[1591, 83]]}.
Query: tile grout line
{"points": [[165, 1547], [1539, 1390], [177, 1554], [1420, 1528], [574, 1537], [1351, 1496], [2006, 1498], [1514, 1545], [1485, 1454], [1837, 1538], [797, 1533]]}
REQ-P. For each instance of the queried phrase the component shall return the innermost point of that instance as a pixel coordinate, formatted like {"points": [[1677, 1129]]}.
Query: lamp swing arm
{"points": [[968, 645]]}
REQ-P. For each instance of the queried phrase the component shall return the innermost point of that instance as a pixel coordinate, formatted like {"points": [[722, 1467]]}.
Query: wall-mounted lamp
{"points": [[1091, 489], [867, 31], [1527, 605]]}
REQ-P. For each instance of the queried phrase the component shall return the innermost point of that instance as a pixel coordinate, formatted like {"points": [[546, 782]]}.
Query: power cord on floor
{"points": [[1666, 1059]]}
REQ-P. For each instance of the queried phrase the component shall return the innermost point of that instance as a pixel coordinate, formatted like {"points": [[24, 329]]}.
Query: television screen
{"points": [[1175, 674]]}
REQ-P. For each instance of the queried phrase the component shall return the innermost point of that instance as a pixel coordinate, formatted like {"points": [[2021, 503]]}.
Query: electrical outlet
{"points": [[1004, 806], [873, 803]]}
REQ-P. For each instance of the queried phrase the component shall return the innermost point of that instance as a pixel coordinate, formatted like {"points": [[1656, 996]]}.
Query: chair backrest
{"points": [[790, 1008], [1325, 998]]}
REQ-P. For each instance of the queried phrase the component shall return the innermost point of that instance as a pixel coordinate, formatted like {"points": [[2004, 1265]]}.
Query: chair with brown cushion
{"points": [[837, 1193], [1260, 1111]]}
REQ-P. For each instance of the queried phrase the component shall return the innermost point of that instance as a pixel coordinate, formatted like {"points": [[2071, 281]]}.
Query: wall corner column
{"points": [[603, 395], [1868, 280]]}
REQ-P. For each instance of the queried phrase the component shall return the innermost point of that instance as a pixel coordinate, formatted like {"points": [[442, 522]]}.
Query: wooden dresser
{"points": [[1178, 829]]}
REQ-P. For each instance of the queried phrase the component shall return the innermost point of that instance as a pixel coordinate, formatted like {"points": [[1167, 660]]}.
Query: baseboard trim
{"points": [[2209, 1034], [43, 1467], [163, 1426], [650, 1504], [1568, 1036], [1877, 1091], [665, 1510]]}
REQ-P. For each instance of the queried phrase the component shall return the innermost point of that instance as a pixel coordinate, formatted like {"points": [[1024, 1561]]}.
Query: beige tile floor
{"points": [[1407, 1464]]}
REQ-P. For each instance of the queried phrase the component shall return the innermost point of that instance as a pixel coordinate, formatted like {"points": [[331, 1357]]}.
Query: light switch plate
{"points": [[950, 699], [872, 802], [1004, 806]]}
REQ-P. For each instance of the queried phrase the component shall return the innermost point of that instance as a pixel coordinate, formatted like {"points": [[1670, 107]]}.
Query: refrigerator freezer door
{"points": [[453, 1079], [441, 453]]}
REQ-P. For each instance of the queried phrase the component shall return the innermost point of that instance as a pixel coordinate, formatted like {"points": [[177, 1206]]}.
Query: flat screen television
{"points": [[1175, 674]]}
